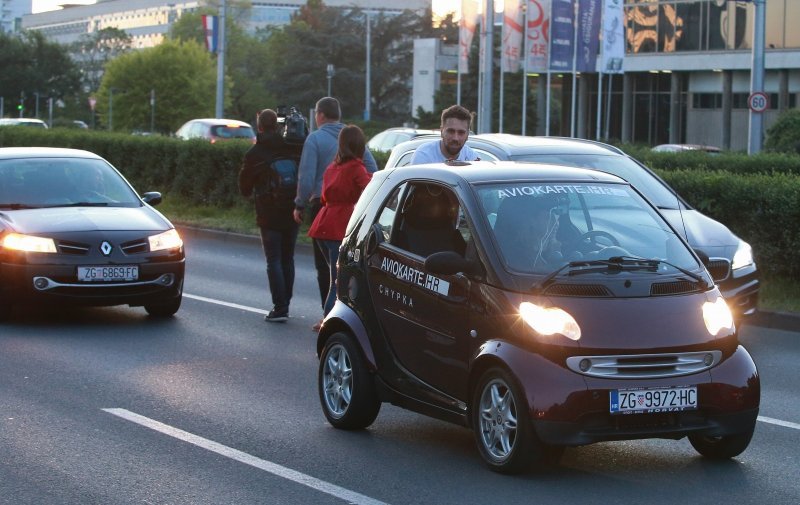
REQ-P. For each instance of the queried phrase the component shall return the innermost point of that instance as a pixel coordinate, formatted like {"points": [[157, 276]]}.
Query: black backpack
{"points": [[278, 184]]}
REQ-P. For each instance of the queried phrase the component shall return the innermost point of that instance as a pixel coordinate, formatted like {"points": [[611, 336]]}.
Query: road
{"points": [[215, 406]]}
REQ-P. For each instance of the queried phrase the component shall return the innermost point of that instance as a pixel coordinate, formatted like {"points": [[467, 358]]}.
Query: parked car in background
{"points": [[731, 260], [23, 121], [677, 148], [73, 231], [542, 306], [216, 130], [387, 139]]}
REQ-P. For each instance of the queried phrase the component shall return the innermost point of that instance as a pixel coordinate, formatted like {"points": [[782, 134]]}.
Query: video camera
{"points": [[295, 126]]}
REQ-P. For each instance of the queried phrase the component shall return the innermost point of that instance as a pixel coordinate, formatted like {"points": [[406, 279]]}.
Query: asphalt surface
{"points": [[215, 406]]}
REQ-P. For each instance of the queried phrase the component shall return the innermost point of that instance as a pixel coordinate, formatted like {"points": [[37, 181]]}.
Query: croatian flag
{"points": [[210, 29]]}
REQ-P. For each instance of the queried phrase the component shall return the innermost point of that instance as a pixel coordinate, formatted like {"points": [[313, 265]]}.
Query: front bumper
{"points": [[57, 284]]}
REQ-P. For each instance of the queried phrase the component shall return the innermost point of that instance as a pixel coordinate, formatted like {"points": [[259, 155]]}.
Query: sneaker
{"points": [[275, 316]]}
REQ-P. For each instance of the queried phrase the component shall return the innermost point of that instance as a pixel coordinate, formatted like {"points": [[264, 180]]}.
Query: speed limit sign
{"points": [[758, 101]]}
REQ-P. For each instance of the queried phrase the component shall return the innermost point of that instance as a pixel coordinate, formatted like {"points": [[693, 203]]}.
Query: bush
{"points": [[784, 135]]}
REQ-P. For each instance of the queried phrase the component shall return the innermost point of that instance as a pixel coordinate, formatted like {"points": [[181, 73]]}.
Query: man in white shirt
{"points": [[455, 131]]}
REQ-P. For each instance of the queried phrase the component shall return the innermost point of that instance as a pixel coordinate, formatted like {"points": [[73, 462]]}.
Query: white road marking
{"points": [[226, 304], [243, 457], [778, 422], [763, 419]]}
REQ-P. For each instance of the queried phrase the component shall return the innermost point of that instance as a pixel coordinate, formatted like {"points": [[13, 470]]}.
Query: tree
{"points": [[93, 50], [35, 68], [784, 135], [245, 62], [182, 76]]}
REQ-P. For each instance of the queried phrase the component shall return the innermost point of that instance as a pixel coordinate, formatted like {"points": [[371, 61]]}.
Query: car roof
{"points": [[513, 145], [478, 172], [45, 152], [218, 121]]}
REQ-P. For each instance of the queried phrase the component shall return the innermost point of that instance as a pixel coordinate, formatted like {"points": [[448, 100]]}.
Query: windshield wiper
{"points": [[613, 264], [85, 204], [17, 206]]}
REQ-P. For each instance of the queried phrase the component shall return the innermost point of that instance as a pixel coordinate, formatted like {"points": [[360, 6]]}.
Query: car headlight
{"points": [[717, 315], [167, 240], [743, 256], [29, 243], [550, 320]]}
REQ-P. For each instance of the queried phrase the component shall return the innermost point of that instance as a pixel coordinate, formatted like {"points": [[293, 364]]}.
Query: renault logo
{"points": [[105, 248]]}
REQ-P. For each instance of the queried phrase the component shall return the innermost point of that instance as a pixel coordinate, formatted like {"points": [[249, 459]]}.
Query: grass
{"points": [[777, 294]]}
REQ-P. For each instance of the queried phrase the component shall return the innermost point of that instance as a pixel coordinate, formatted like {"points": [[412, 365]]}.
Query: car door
{"points": [[424, 317]]}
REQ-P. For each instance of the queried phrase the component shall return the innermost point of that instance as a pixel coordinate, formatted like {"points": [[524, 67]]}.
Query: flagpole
{"points": [[525, 54], [549, 53], [502, 89], [458, 60], [608, 106], [574, 71], [221, 61]]}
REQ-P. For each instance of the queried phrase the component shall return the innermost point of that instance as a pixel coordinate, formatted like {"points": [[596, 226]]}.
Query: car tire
{"points": [[724, 447], [167, 309], [502, 426], [346, 386]]}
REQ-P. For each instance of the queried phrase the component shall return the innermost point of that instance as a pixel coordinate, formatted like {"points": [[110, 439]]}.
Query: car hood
{"points": [[637, 325], [702, 232], [70, 219]]}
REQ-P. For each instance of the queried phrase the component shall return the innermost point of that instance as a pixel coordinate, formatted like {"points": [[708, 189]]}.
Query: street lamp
{"points": [[331, 73]]}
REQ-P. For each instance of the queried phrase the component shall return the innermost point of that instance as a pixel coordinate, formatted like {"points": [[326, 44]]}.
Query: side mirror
{"points": [[152, 198], [448, 263], [374, 239]]}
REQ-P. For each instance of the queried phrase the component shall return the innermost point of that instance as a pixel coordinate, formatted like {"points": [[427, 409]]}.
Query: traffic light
{"points": [[20, 107]]}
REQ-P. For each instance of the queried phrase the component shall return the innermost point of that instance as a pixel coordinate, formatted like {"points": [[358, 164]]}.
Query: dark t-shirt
{"points": [[273, 210]]}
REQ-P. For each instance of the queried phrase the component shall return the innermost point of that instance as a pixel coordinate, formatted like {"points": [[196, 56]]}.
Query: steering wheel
{"points": [[587, 239]]}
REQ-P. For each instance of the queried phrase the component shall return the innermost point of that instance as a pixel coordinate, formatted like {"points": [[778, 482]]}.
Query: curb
{"points": [[786, 321]]}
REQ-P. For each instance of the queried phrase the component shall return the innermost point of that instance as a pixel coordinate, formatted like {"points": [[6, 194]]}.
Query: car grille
{"points": [[137, 246], [594, 290], [644, 366], [719, 268], [73, 248], [672, 288]]}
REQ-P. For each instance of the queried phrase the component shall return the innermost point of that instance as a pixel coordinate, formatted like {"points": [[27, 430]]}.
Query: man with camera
{"points": [[318, 152], [269, 172]]}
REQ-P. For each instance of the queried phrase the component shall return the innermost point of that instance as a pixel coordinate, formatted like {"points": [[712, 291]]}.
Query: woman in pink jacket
{"points": [[342, 184]]}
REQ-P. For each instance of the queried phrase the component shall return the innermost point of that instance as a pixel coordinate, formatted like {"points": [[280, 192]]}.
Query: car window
{"points": [[430, 220], [389, 212], [55, 182], [539, 227], [232, 132], [485, 155], [405, 159]]}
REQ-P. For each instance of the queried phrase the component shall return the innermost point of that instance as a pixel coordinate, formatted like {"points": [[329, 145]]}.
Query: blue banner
{"points": [[588, 35], [562, 35]]}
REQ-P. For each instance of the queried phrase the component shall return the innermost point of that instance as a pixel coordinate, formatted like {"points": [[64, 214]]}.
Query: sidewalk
{"points": [[787, 321]]}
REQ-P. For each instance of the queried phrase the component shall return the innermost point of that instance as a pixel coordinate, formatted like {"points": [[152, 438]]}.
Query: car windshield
{"points": [[232, 132], [539, 227], [62, 182], [656, 191]]}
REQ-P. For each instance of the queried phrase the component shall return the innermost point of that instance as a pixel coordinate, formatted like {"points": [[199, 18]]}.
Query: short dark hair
{"points": [[267, 120], [457, 112], [351, 144], [329, 107]]}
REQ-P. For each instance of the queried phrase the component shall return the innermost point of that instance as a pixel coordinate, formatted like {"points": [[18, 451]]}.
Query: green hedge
{"points": [[757, 197]]}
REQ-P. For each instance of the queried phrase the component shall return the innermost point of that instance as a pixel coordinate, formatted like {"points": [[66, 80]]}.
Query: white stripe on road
{"points": [[243, 457], [226, 304], [769, 420], [778, 422]]}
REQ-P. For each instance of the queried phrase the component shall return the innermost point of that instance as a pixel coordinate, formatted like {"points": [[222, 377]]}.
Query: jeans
{"points": [[330, 249], [320, 259], [279, 250]]}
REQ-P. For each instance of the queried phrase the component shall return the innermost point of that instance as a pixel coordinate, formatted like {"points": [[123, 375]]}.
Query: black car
{"points": [[731, 260], [74, 231], [542, 306]]}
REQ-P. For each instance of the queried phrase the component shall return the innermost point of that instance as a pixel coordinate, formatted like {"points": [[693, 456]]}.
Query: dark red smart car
{"points": [[542, 306]]}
